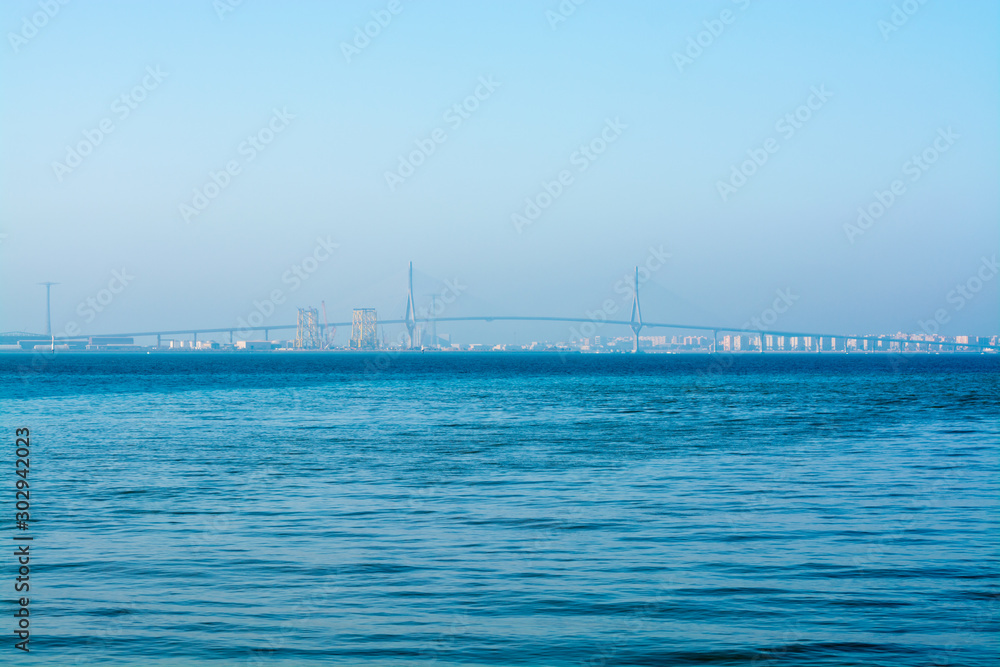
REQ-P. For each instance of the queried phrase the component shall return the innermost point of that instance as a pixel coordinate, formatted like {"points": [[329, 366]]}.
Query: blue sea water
{"points": [[507, 509]]}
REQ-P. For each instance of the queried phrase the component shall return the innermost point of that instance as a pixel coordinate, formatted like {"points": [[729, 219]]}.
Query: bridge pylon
{"points": [[410, 318], [636, 320], [48, 307]]}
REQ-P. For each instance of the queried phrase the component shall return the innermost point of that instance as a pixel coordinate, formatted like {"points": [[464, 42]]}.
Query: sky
{"points": [[186, 164]]}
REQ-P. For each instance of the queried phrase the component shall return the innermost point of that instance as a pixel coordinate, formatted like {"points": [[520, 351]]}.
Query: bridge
{"points": [[635, 323]]}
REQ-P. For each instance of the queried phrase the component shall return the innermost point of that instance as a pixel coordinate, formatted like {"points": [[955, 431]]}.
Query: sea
{"points": [[408, 508]]}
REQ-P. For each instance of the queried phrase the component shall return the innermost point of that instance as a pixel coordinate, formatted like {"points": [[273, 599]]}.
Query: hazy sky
{"points": [[116, 115]]}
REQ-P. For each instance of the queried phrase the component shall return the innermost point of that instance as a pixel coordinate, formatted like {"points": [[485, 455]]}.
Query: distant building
{"points": [[255, 345], [111, 340], [110, 343]]}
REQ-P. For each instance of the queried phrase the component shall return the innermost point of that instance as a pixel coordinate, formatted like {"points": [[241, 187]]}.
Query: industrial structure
{"points": [[364, 332], [308, 335]]}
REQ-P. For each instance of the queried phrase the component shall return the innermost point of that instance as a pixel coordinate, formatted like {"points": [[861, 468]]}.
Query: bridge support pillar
{"points": [[410, 318], [157, 341], [195, 338], [636, 320], [230, 336], [266, 335]]}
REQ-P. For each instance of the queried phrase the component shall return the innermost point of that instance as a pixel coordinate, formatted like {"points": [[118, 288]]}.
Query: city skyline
{"points": [[368, 332], [261, 318]]}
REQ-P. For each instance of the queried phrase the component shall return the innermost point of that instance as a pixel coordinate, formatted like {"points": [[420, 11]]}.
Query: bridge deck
{"points": [[513, 318]]}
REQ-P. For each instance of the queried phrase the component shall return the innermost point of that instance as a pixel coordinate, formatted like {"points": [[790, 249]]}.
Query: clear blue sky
{"points": [[656, 184]]}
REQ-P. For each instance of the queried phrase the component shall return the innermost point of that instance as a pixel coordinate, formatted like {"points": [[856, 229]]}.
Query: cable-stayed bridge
{"points": [[635, 323]]}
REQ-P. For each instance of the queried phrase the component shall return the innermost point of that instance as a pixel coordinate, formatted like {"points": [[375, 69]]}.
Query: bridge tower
{"points": [[636, 320], [410, 318], [48, 308]]}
